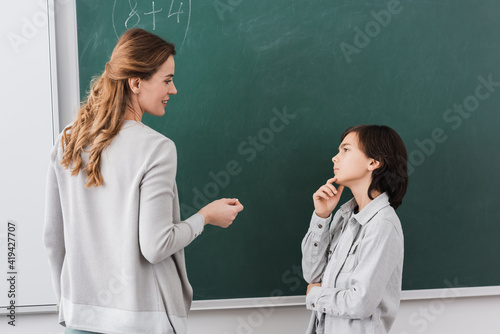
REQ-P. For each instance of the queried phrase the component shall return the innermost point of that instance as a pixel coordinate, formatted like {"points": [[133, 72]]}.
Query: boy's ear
{"points": [[374, 164]]}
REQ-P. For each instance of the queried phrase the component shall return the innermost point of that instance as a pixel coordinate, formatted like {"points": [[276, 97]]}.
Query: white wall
{"points": [[462, 315], [26, 139], [468, 315]]}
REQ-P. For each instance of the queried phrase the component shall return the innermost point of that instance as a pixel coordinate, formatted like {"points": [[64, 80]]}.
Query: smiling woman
{"points": [[151, 95], [136, 59], [113, 231]]}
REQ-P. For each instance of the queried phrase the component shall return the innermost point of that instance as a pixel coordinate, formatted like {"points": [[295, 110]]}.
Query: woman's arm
{"points": [[159, 235], [53, 231]]}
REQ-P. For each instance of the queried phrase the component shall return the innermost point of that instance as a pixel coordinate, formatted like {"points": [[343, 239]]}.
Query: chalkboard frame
{"points": [[407, 295]]}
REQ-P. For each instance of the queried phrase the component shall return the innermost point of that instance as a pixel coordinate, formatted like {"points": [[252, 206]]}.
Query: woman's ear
{"points": [[133, 84]]}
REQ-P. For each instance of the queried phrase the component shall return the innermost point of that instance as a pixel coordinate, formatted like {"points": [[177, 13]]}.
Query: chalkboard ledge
{"points": [[30, 309], [222, 304], [280, 301], [451, 292]]}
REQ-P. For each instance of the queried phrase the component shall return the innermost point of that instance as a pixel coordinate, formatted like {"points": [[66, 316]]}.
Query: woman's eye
{"points": [[168, 81]]}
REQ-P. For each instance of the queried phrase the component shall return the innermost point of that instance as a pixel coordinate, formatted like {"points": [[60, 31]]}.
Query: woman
{"points": [[354, 260], [113, 231]]}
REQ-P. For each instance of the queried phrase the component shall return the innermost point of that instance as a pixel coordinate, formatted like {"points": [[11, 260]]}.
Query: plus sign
{"points": [[154, 16]]}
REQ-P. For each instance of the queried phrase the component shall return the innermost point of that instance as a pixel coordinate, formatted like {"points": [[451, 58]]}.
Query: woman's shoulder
{"points": [[147, 142], [141, 132], [57, 150]]}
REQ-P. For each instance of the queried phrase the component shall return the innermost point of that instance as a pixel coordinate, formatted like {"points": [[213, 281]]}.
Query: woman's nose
{"points": [[173, 90]]}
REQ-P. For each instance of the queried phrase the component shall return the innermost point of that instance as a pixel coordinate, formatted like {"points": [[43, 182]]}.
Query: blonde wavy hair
{"points": [[138, 54]]}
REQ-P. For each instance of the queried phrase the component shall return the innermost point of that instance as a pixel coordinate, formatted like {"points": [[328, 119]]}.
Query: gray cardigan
{"points": [[117, 251]]}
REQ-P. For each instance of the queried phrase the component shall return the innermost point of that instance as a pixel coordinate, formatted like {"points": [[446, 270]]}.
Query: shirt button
{"points": [[313, 305], [320, 226], [324, 310], [315, 245], [330, 252]]}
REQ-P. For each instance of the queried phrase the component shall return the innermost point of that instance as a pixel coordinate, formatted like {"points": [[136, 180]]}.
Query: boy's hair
{"points": [[383, 144]]}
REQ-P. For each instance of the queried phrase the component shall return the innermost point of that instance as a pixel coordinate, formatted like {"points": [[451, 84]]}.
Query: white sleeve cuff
{"points": [[312, 298], [197, 223], [319, 225]]}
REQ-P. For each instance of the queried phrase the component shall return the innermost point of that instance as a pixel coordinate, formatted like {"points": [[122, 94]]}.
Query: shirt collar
{"points": [[368, 212]]}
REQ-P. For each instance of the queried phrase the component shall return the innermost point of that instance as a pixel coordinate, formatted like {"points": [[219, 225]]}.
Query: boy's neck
{"points": [[360, 193]]}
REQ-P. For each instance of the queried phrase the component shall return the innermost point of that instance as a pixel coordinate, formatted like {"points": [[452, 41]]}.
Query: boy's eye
{"points": [[346, 149]]}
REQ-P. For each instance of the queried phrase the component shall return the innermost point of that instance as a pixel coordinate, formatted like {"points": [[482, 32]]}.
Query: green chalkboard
{"points": [[265, 88]]}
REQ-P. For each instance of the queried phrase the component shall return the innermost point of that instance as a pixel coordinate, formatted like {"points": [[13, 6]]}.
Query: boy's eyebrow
{"points": [[344, 145]]}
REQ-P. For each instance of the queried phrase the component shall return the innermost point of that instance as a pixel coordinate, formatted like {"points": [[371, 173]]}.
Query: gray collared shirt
{"points": [[359, 261]]}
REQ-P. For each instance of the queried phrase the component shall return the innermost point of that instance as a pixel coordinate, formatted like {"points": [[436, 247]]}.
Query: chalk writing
{"points": [[150, 16]]}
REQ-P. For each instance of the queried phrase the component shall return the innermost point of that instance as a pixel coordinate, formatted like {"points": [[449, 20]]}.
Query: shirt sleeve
{"points": [[314, 248], [53, 231], [381, 250], [160, 234]]}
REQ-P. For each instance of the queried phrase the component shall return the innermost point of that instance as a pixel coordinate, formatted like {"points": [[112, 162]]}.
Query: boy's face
{"points": [[351, 166]]}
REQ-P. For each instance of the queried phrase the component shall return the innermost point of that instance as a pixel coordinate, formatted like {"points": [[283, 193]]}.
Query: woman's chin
{"points": [[158, 113]]}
